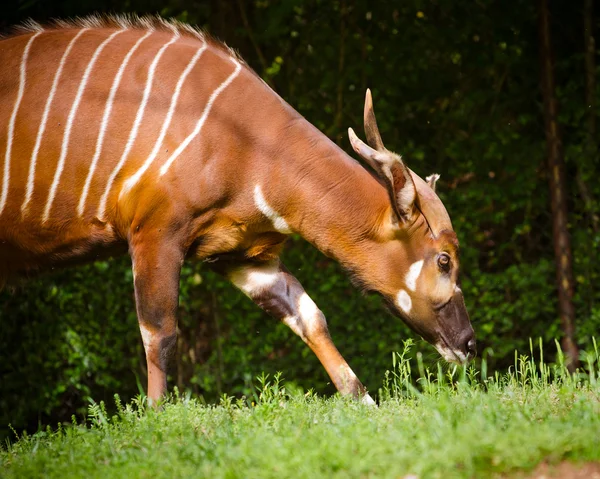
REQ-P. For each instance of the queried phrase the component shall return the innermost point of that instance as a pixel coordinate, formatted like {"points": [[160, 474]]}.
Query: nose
{"points": [[471, 346]]}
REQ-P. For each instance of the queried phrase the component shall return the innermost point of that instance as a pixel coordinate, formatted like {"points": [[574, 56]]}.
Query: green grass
{"points": [[446, 424]]}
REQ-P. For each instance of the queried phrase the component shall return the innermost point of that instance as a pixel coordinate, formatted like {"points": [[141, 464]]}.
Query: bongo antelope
{"points": [[144, 135]]}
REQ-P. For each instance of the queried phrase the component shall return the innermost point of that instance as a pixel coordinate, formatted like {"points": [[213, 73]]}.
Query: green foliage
{"points": [[455, 86], [65, 338], [449, 425]]}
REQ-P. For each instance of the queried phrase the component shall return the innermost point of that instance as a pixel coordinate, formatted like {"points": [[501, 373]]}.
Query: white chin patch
{"points": [[403, 301], [457, 357]]}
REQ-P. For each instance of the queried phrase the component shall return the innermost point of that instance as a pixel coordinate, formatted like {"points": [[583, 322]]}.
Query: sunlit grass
{"points": [[443, 423]]}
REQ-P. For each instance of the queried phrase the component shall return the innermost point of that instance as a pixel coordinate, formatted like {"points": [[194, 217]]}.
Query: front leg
{"points": [[156, 268], [281, 295]]}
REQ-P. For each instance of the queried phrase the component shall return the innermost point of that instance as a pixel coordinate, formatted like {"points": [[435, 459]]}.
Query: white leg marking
{"points": [[309, 312], [134, 130], [67, 135], [42, 128], [11, 123], [304, 323], [132, 180], [348, 378], [403, 301], [254, 280], [413, 275], [278, 222], [164, 168], [368, 400], [347, 373], [147, 337], [293, 322], [104, 124]]}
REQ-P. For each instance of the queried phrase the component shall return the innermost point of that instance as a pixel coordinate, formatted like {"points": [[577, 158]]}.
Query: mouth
{"points": [[451, 355]]}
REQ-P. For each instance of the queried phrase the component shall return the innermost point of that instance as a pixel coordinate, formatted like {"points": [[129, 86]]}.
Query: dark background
{"points": [[456, 86]]}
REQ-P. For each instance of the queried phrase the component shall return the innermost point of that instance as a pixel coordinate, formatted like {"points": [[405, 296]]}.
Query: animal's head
{"points": [[415, 263]]}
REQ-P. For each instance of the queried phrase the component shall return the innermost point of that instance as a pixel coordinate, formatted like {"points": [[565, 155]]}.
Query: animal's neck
{"points": [[323, 194]]}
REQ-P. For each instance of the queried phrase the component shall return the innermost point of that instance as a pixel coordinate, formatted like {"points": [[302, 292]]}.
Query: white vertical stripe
{"points": [[11, 123], [136, 125], [105, 118], [278, 221], [132, 180], [67, 135], [42, 128], [202, 119]]}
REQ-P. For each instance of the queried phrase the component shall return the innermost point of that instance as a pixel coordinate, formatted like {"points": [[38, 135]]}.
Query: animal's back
{"points": [[86, 114]]}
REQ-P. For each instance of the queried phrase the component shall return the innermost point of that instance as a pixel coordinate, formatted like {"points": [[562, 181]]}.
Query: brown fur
{"points": [[204, 207]]}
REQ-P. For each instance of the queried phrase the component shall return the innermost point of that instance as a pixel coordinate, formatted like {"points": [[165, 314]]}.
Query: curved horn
{"points": [[371, 128], [375, 159], [393, 171], [406, 188]]}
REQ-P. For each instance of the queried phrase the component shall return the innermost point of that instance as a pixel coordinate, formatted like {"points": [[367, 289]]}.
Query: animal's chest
{"points": [[235, 244]]}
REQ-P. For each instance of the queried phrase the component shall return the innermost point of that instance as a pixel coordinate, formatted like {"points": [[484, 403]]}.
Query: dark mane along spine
{"points": [[123, 21]]}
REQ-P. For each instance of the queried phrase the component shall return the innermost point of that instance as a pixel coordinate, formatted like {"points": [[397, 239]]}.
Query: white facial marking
{"points": [[134, 130], [404, 302], [457, 357], [457, 289], [104, 123], [67, 135], [278, 222], [42, 127], [13, 118], [254, 280], [202, 119], [413, 275], [131, 181]]}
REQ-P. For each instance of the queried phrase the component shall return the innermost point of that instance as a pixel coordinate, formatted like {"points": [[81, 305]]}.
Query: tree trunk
{"points": [[558, 193]]}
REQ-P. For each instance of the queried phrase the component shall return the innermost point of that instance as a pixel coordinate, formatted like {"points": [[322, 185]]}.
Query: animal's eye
{"points": [[444, 262]]}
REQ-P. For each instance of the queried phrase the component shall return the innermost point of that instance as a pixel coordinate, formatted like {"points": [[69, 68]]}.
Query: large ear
{"points": [[389, 166]]}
